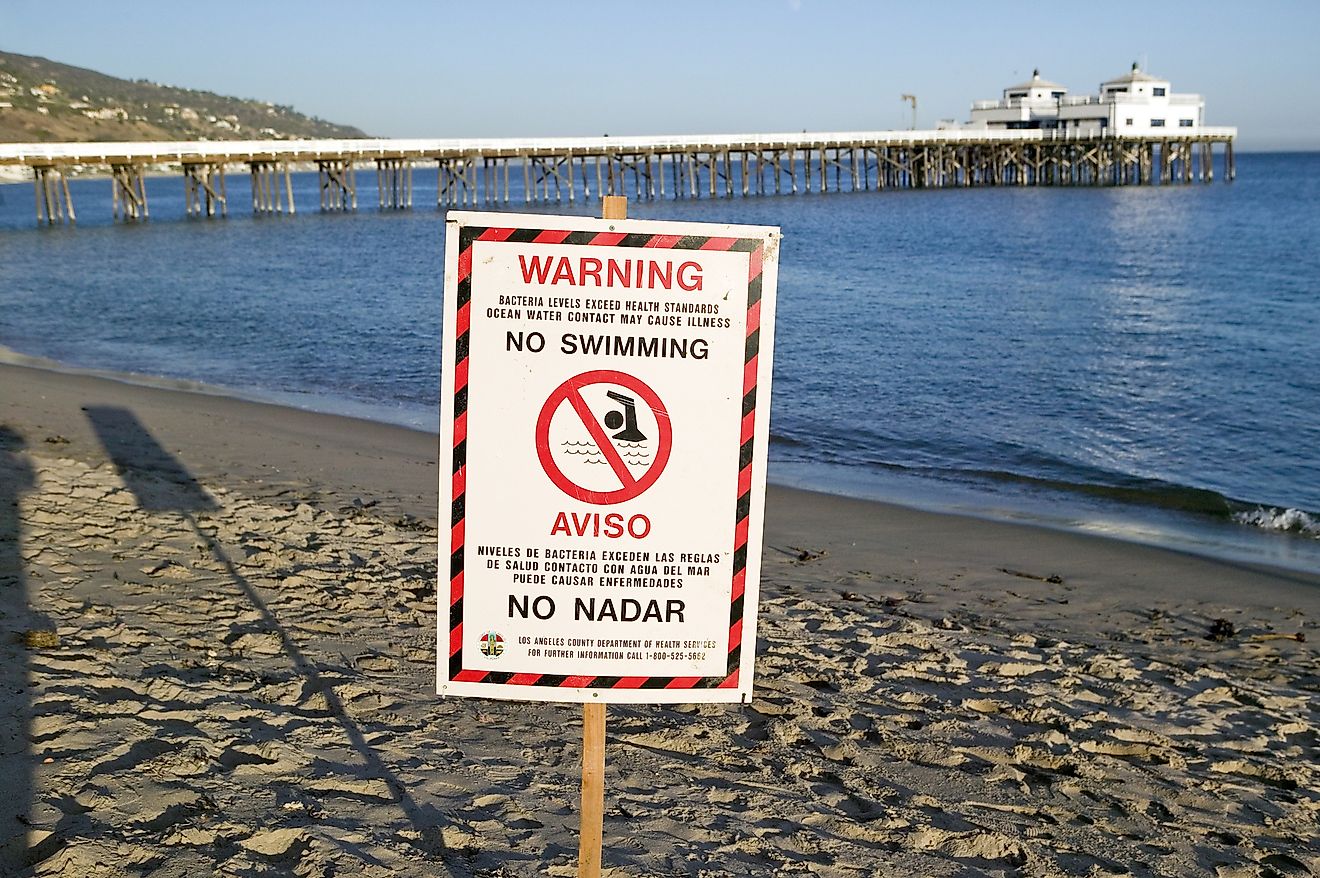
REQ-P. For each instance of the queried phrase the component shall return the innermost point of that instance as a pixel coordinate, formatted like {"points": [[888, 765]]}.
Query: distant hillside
{"points": [[43, 101]]}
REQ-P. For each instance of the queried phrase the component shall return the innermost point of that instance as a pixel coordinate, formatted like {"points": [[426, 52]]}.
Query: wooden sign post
{"points": [[593, 713], [593, 790]]}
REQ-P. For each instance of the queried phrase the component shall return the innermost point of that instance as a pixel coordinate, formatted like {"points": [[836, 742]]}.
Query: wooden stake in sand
{"points": [[593, 714], [593, 790]]}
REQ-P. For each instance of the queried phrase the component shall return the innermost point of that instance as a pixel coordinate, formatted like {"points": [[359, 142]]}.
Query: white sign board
{"points": [[605, 411]]}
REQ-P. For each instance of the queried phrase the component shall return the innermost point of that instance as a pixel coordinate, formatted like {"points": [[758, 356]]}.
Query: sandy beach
{"points": [[218, 650]]}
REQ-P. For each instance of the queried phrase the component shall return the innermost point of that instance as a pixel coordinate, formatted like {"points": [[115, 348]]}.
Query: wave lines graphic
{"points": [[634, 454]]}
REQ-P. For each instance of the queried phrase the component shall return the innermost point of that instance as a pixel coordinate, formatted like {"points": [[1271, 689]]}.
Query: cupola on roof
{"points": [[1136, 74], [1037, 82]]}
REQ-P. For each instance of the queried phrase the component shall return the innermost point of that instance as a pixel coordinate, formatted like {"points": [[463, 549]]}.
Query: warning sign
{"points": [[604, 422]]}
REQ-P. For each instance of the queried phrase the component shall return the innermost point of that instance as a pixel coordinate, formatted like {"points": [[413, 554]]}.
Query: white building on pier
{"points": [[1135, 104]]}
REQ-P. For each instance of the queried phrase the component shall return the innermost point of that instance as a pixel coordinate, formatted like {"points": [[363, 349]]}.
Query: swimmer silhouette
{"points": [[626, 419]]}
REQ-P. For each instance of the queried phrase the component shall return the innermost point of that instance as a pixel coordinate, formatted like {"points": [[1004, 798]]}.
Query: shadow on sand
{"points": [[161, 483], [16, 758]]}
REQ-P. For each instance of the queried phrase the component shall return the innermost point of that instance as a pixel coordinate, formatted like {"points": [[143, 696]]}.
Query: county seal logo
{"points": [[492, 644]]}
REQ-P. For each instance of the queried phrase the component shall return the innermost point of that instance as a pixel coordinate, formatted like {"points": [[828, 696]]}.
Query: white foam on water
{"points": [[1289, 520]]}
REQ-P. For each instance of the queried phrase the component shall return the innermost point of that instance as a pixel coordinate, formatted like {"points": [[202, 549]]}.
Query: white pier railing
{"points": [[179, 152]]}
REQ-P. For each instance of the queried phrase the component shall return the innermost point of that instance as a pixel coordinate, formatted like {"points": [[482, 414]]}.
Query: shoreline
{"points": [[1233, 542], [390, 458], [217, 651]]}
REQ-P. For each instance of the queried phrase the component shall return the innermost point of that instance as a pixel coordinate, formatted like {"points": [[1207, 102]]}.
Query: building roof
{"points": [[1136, 74], [1037, 82]]}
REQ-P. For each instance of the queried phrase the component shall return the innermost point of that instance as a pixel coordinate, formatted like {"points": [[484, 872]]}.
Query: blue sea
{"points": [[1142, 362]]}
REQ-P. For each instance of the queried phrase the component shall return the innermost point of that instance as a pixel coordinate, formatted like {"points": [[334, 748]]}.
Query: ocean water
{"points": [[1135, 361]]}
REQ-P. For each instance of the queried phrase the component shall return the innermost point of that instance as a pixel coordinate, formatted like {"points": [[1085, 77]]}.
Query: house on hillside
{"points": [[1135, 103]]}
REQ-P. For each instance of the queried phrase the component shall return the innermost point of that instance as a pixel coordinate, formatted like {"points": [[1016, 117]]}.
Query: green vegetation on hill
{"points": [[42, 101]]}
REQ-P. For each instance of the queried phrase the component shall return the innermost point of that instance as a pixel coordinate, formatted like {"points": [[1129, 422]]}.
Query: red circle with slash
{"points": [[571, 392]]}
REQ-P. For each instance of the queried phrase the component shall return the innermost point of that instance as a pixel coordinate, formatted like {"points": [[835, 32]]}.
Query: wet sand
{"points": [[218, 641]]}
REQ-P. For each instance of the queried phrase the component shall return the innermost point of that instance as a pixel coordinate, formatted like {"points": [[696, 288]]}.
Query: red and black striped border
{"points": [[468, 235]]}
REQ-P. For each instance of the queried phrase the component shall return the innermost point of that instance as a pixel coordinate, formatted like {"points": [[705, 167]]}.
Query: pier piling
{"points": [[129, 192], [204, 189], [268, 196], [394, 183], [54, 203], [337, 184]]}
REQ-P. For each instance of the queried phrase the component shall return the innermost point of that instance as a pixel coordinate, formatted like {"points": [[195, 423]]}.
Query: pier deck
{"points": [[476, 172]]}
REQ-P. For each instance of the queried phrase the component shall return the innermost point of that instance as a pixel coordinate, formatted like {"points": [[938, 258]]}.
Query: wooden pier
{"points": [[553, 170]]}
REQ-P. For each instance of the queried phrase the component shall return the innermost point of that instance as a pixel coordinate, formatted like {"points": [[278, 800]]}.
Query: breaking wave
{"points": [[1287, 520]]}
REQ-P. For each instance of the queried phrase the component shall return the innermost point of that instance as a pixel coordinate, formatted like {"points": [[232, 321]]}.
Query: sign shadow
{"points": [[158, 480], [162, 483]]}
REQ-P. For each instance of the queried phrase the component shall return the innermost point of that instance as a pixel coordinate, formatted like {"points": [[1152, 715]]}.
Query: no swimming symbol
{"points": [[603, 437]]}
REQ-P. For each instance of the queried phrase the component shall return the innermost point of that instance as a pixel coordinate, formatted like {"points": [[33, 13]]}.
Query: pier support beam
{"points": [[54, 203], [544, 171], [457, 182], [338, 184], [267, 194], [495, 176], [204, 189], [394, 184], [129, 192], [640, 165]]}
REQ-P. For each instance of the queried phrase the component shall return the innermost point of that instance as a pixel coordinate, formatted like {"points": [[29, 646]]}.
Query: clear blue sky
{"points": [[580, 67]]}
